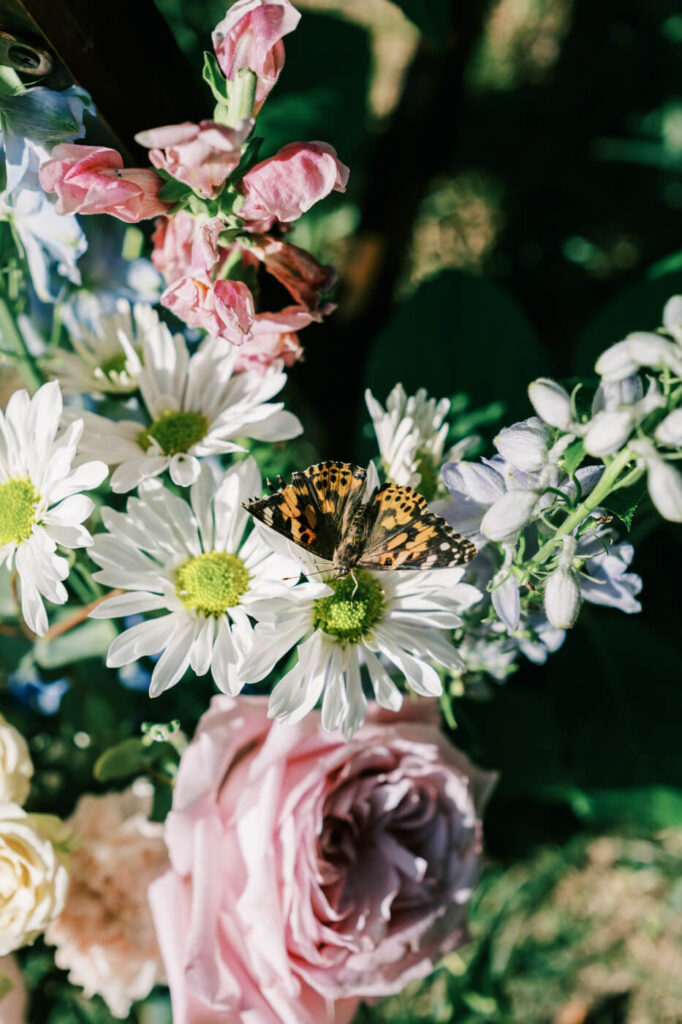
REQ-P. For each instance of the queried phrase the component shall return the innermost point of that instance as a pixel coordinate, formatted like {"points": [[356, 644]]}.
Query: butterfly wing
{"points": [[405, 535], [314, 509]]}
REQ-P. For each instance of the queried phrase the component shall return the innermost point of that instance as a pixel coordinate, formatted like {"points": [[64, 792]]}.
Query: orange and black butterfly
{"points": [[324, 510]]}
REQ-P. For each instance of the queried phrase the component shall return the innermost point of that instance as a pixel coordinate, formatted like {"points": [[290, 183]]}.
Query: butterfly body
{"points": [[326, 511]]}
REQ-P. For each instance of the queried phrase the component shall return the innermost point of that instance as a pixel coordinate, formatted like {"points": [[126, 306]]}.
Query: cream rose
{"points": [[16, 767], [33, 874], [105, 936]]}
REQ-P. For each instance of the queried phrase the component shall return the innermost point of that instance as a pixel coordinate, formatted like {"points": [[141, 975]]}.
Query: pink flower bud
{"points": [[223, 308], [92, 179], [200, 155], [288, 184], [266, 347], [250, 36]]}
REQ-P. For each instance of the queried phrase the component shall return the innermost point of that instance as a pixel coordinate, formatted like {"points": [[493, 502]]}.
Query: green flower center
{"points": [[18, 501], [429, 472], [350, 613], [116, 364], [174, 431], [211, 583]]}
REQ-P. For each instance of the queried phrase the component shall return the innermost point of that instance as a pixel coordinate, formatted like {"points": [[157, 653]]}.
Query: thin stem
{"points": [[600, 491], [65, 625], [10, 331]]}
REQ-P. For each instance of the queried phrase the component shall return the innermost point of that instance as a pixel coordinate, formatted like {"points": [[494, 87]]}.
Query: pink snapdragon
{"points": [[200, 155], [289, 183], [92, 179], [308, 871], [173, 240], [223, 308], [267, 346], [250, 36]]}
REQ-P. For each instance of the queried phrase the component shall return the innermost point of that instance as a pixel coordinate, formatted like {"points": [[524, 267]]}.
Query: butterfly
{"points": [[325, 511]]}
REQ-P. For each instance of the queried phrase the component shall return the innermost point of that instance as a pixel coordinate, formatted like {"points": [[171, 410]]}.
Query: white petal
{"points": [[145, 638], [184, 469], [174, 661], [133, 603]]}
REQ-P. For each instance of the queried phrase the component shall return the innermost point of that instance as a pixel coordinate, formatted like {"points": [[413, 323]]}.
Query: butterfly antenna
{"points": [[355, 588], [313, 572]]}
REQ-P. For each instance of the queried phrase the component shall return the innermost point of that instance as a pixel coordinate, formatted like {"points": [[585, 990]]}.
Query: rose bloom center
{"points": [[355, 607], [211, 583], [18, 502]]}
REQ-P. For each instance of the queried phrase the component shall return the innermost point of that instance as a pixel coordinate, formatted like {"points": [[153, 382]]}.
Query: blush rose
{"points": [[308, 872]]}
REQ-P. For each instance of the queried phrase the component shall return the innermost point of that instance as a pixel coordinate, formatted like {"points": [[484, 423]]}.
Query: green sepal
{"points": [[6, 985], [573, 456], [215, 79], [174, 191], [248, 159]]}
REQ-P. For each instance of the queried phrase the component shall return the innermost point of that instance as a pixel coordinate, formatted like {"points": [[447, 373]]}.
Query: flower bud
{"points": [[551, 402], [669, 431], [525, 445], [672, 317], [614, 394], [665, 488], [562, 599], [608, 432], [616, 362], [506, 600], [508, 514]]}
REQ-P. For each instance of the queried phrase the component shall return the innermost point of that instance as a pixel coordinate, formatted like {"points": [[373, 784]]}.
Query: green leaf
{"points": [[646, 807], [119, 762], [573, 456], [431, 17], [214, 77], [174, 191], [478, 339], [624, 504]]}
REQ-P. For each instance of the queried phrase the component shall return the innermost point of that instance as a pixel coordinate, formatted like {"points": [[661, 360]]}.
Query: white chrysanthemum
{"points": [[189, 560], [106, 347], [40, 503], [370, 619], [411, 435], [197, 406]]}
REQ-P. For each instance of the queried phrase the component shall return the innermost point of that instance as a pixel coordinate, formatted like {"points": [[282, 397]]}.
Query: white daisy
{"points": [[411, 433], [190, 561], [197, 406], [370, 619], [40, 503], [106, 346]]}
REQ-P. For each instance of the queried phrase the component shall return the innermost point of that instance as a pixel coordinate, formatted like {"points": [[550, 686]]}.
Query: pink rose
{"points": [[289, 183], [223, 308], [200, 155], [299, 272], [250, 36], [92, 179], [306, 870]]}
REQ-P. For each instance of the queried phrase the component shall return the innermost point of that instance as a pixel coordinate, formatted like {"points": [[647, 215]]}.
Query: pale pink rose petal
{"points": [[223, 308], [289, 183], [201, 155], [13, 1005], [173, 240], [249, 36], [91, 179], [308, 872]]}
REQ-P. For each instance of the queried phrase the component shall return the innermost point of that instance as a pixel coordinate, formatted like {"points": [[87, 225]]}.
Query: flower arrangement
{"points": [[297, 836]]}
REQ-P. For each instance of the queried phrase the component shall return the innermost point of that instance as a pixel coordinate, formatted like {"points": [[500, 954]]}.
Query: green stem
{"points": [[10, 332], [594, 499]]}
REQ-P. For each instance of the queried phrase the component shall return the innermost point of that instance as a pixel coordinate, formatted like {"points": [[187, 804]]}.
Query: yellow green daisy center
{"points": [[18, 503], [211, 583], [174, 432], [115, 364], [350, 613]]}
